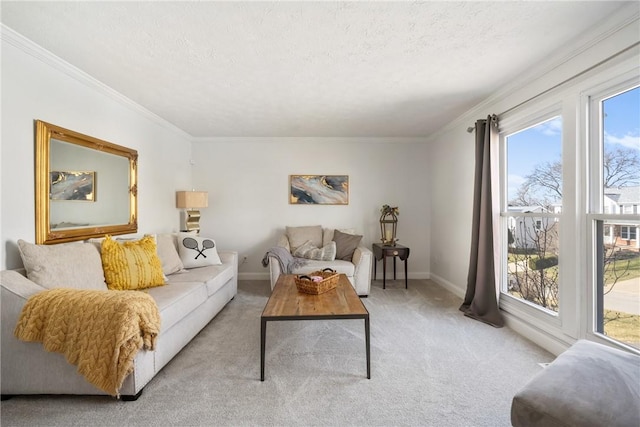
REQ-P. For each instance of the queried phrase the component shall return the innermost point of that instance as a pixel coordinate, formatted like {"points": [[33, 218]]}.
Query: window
{"points": [[615, 192], [627, 232], [531, 213], [569, 181]]}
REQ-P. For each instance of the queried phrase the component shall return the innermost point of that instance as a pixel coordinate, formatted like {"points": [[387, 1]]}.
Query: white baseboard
{"points": [[552, 344], [456, 290], [253, 276]]}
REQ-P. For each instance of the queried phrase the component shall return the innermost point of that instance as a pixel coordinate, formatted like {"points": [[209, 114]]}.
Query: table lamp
{"points": [[191, 201]]}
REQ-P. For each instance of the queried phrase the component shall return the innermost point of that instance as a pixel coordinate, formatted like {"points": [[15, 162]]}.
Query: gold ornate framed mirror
{"points": [[85, 187]]}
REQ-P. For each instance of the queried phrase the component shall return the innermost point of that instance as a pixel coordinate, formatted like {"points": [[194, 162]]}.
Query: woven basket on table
{"points": [[308, 286]]}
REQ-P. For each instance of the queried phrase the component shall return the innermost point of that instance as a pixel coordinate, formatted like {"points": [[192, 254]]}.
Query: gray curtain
{"points": [[480, 301]]}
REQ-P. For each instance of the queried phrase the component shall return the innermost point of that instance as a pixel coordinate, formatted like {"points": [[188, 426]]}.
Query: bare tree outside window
{"points": [[534, 175], [533, 262], [542, 187]]}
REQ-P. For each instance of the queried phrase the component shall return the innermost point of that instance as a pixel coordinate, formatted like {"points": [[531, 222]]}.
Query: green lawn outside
{"points": [[620, 265], [622, 327], [626, 328], [632, 267]]}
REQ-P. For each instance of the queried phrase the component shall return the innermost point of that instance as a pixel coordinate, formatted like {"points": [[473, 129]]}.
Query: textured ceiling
{"points": [[305, 68]]}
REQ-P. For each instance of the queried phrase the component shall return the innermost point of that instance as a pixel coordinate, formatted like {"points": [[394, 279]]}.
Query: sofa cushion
{"points": [[340, 266], [346, 244], [165, 244], [588, 385], [176, 301], [298, 236], [213, 276], [196, 251], [49, 265], [168, 253], [130, 265], [327, 234], [309, 251]]}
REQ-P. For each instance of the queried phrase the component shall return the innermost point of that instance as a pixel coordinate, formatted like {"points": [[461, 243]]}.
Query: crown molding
{"points": [[38, 52], [310, 139], [626, 16]]}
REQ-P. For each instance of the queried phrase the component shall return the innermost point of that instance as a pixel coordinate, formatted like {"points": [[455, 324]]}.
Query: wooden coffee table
{"points": [[286, 303]]}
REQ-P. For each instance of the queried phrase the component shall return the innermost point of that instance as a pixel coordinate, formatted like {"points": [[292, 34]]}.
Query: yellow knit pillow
{"points": [[131, 265]]}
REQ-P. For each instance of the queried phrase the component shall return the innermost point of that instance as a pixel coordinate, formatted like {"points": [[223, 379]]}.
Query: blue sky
{"points": [[543, 143]]}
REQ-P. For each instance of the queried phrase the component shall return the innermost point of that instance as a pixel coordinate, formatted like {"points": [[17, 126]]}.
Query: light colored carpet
{"points": [[430, 366]]}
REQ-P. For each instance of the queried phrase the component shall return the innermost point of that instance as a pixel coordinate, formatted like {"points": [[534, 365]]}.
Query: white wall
{"points": [[36, 85], [248, 183]]}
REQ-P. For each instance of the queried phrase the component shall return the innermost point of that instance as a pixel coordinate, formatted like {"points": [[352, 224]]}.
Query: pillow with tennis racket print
{"points": [[196, 251]]}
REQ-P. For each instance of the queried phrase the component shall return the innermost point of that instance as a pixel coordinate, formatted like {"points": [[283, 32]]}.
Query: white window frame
{"points": [[575, 316], [592, 123], [529, 312]]}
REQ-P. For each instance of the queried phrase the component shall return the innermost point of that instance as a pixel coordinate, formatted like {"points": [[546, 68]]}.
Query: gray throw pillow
{"points": [[346, 244]]}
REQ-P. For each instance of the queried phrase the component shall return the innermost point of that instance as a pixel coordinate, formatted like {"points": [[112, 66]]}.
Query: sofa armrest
{"points": [[15, 290], [274, 265], [362, 260], [17, 284], [274, 270], [228, 257], [283, 241]]}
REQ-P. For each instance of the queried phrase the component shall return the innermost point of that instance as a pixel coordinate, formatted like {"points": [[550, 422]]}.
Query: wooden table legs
{"points": [[263, 339]]}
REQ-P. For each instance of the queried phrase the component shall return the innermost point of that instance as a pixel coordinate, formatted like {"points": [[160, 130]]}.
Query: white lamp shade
{"points": [[192, 199]]}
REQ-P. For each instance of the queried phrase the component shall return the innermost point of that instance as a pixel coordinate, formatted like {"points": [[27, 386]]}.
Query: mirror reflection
{"points": [[85, 187]]}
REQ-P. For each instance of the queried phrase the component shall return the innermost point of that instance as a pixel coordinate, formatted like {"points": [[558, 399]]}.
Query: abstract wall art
{"points": [[72, 185], [319, 189]]}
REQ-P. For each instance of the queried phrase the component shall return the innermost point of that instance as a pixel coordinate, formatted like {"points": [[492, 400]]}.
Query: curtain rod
{"points": [[472, 128]]}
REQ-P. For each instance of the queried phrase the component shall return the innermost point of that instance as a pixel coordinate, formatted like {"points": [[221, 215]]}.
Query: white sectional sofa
{"points": [[355, 263], [190, 299]]}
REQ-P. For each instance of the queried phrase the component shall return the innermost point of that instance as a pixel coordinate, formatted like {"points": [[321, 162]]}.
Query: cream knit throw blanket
{"points": [[98, 331]]}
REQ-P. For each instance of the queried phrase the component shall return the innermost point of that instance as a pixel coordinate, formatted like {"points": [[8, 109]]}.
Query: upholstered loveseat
{"points": [[188, 301], [350, 257]]}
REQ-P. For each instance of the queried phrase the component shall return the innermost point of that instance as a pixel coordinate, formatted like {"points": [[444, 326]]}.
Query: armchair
{"points": [[357, 268]]}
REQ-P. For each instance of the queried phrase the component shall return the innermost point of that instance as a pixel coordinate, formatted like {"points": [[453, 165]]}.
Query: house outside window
{"points": [[531, 212]]}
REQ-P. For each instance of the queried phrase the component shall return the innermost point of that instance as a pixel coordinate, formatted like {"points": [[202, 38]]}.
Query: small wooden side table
{"points": [[381, 252]]}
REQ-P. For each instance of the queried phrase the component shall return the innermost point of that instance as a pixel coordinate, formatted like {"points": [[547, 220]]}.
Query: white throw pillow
{"points": [[196, 251], [309, 251], [65, 265], [298, 236]]}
